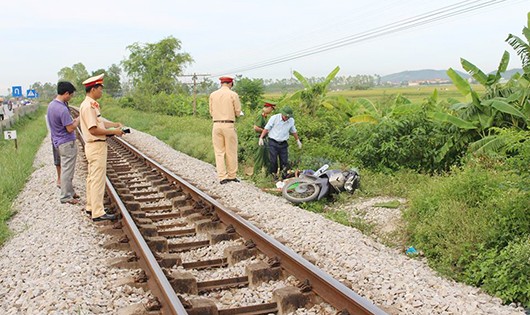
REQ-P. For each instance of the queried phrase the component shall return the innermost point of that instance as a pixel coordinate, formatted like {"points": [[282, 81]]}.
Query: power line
{"points": [[194, 77], [415, 21]]}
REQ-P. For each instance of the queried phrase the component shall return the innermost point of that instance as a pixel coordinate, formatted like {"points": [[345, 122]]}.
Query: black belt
{"points": [[99, 140], [278, 142], [224, 121]]}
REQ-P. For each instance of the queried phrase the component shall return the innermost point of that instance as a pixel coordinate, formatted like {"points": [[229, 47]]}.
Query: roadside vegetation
{"points": [[17, 165], [458, 154]]}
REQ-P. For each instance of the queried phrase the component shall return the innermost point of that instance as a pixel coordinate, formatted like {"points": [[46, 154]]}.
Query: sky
{"points": [[38, 38]]}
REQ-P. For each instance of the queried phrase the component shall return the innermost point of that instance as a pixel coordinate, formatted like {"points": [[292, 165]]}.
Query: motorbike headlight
{"points": [[351, 183], [348, 186]]}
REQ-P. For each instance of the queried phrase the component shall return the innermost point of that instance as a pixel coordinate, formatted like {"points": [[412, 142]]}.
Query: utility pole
{"points": [[194, 77]]}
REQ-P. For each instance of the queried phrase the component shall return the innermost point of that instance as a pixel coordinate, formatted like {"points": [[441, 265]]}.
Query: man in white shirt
{"points": [[278, 128]]}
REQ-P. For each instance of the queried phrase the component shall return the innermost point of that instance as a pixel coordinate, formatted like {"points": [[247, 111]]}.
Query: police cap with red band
{"points": [[98, 79], [226, 79]]}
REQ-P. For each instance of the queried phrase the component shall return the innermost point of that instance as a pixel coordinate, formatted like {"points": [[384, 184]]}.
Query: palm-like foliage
{"points": [[371, 114], [313, 96], [503, 105], [522, 48]]}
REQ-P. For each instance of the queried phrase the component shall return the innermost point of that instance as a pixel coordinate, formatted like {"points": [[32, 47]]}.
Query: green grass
{"points": [[397, 184], [394, 204], [17, 165], [466, 221], [415, 94], [192, 135], [189, 135]]}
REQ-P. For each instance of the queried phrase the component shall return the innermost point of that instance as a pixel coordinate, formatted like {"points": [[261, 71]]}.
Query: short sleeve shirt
{"points": [[59, 117], [90, 116], [279, 130], [224, 104]]}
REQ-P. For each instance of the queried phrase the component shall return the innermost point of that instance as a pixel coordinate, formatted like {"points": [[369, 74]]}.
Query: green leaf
{"points": [[331, 75], [328, 105], [475, 99], [515, 96], [434, 95], [364, 119], [406, 108], [461, 84], [367, 105], [474, 71], [459, 106], [444, 150], [296, 95], [486, 120], [301, 79], [460, 123], [504, 107], [503, 65], [490, 145], [522, 49], [452, 101]]}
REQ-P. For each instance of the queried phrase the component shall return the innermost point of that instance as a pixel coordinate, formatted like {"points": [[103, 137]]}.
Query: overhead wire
{"points": [[362, 13], [408, 23]]}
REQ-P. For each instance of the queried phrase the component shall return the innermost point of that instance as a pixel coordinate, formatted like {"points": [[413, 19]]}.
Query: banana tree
{"points": [[503, 106], [522, 49], [313, 96], [371, 114], [494, 109], [522, 83]]}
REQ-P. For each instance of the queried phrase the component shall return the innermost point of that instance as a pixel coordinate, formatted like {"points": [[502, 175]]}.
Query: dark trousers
{"points": [[278, 150]]}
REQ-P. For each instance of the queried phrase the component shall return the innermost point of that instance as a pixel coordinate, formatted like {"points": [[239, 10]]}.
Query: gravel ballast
{"points": [[55, 263]]}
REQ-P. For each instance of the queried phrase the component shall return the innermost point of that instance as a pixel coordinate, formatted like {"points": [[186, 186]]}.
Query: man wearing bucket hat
{"points": [[224, 108], [261, 156], [278, 129]]}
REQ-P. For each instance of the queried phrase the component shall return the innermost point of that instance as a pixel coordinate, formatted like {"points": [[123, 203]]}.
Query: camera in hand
{"points": [[125, 130]]}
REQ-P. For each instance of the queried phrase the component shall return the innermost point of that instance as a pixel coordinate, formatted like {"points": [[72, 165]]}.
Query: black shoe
{"points": [[224, 181], [234, 180], [106, 216], [107, 211]]}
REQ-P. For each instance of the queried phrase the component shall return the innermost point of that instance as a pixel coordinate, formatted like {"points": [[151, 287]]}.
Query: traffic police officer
{"points": [[261, 155], [224, 108], [95, 131]]}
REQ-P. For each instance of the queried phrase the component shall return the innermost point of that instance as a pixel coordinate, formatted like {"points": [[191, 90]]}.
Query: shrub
{"points": [[460, 221], [408, 141], [504, 272]]}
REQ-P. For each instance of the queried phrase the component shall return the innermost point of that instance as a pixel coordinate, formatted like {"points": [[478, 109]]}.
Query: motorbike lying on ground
{"points": [[311, 186]]}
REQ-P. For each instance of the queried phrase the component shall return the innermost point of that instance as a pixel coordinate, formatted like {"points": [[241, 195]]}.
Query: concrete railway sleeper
{"points": [[196, 254]]}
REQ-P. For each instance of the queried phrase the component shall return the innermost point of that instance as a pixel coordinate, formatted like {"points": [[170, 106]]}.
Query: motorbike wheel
{"points": [[298, 190]]}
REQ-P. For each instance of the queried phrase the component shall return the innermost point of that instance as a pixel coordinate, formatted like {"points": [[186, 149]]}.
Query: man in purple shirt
{"points": [[62, 129]]}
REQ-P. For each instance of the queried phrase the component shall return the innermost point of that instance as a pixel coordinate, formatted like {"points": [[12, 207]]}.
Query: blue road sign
{"points": [[31, 94], [16, 91]]}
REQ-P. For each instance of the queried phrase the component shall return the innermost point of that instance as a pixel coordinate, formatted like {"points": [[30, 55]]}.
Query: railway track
{"points": [[195, 253]]}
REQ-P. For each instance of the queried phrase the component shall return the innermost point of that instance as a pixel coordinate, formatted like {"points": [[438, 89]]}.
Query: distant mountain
{"points": [[418, 75], [431, 75], [508, 74]]}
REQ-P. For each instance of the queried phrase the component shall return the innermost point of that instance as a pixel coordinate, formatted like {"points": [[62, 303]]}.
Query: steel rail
{"points": [[331, 290], [157, 280]]}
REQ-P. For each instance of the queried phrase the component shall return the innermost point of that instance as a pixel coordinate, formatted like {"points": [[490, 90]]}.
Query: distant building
{"points": [[430, 82]]}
